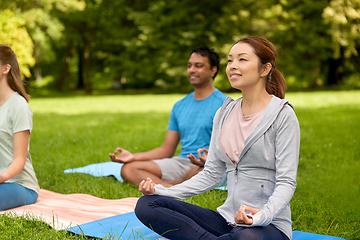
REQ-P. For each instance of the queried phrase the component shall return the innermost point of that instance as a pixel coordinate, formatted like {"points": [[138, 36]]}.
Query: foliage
{"points": [[98, 44], [344, 19], [14, 34], [168, 32], [42, 23], [302, 40], [41, 19]]}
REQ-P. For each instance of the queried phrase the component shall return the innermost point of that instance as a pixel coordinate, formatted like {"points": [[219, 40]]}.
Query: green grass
{"points": [[73, 131]]}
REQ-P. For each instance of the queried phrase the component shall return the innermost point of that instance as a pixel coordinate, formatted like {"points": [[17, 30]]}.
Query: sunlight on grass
{"points": [[105, 104], [312, 100], [163, 103]]}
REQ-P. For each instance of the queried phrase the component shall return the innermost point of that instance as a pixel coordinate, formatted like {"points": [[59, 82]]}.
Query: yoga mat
{"points": [[97, 217], [103, 169], [126, 226], [112, 168], [64, 210], [298, 235]]}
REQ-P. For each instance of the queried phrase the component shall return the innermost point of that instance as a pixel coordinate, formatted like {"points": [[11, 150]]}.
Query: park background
{"points": [[106, 73]]}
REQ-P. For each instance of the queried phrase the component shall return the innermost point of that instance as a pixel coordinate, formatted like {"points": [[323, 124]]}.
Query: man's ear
{"points": [[213, 71], [266, 69]]}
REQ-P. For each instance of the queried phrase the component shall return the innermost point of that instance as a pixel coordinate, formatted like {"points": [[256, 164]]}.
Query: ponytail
{"points": [[276, 84]]}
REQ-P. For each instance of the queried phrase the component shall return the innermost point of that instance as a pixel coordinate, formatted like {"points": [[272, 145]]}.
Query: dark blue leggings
{"points": [[14, 195], [174, 219]]}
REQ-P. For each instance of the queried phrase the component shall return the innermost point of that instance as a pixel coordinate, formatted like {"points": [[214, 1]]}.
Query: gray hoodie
{"points": [[265, 176]]}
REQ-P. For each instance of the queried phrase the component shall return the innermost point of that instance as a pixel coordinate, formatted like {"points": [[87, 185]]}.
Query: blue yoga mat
{"points": [[127, 226], [113, 168], [100, 170], [124, 226], [298, 235]]}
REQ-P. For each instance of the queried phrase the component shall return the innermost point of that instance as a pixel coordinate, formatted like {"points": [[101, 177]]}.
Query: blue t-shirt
{"points": [[193, 119]]}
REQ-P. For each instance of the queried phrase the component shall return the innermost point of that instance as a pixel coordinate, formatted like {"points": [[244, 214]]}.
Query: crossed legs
{"points": [[176, 219], [15, 195], [135, 172], [167, 171]]}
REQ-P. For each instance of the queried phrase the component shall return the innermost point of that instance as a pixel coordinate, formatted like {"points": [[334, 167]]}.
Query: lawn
{"points": [[74, 131]]}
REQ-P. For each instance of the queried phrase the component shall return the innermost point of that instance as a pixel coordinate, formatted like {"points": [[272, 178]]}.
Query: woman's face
{"points": [[243, 67]]}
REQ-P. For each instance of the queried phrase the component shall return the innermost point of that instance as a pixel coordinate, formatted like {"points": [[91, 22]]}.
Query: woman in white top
{"points": [[256, 141], [18, 183]]}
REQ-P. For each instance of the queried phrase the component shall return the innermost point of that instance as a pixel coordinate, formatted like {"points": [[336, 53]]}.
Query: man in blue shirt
{"points": [[190, 123]]}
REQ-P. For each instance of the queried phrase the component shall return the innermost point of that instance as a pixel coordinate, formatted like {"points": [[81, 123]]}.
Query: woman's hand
{"points": [[242, 218], [147, 187]]}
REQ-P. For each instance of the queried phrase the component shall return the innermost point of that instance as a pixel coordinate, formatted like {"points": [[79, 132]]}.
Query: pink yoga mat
{"points": [[65, 210]]}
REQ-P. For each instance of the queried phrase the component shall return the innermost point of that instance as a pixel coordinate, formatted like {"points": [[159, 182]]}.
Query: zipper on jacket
{"points": [[236, 173]]}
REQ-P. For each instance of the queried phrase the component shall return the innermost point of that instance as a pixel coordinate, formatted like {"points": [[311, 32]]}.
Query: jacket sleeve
{"points": [[287, 146], [205, 180]]}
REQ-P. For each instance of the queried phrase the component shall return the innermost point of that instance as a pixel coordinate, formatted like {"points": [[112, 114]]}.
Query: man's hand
{"points": [[123, 157], [202, 155], [242, 218], [147, 187]]}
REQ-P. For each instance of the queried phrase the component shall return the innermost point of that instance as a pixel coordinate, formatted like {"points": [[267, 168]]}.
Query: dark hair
{"points": [[7, 56], [267, 53], [214, 57]]}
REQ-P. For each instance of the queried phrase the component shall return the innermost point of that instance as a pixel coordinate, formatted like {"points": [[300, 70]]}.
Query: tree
{"points": [[41, 19], [14, 34], [156, 55], [146, 44], [343, 16]]}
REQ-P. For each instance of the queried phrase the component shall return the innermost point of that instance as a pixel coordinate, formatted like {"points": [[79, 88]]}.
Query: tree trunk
{"points": [[334, 77], [60, 83], [87, 61], [80, 84]]}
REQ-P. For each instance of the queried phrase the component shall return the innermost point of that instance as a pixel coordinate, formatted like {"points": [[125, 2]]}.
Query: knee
{"points": [[248, 233], [141, 203], [143, 206], [127, 170], [148, 202]]}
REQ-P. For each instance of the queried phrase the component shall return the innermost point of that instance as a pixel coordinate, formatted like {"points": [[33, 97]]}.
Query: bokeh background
{"points": [[89, 45]]}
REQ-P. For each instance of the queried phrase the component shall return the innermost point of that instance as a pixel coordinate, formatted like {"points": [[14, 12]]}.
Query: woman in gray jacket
{"points": [[256, 141]]}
